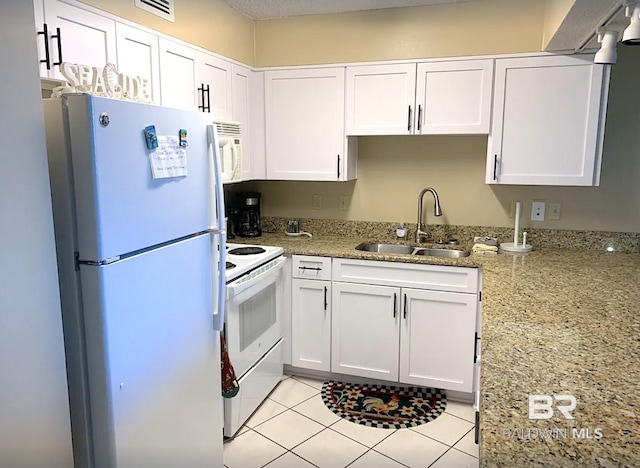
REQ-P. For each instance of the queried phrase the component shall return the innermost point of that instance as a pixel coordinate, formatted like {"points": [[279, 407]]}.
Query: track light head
{"points": [[631, 35]]}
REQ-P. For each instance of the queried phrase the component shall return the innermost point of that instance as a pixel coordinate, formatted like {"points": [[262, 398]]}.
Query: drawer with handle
{"points": [[306, 266]]}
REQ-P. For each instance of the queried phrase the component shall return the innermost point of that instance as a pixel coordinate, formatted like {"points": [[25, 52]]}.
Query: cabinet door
{"points": [[365, 330], [180, 75], [85, 38], [305, 123], [216, 73], [437, 339], [380, 99], [257, 136], [548, 119], [454, 97], [311, 324], [240, 77], [138, 55]]}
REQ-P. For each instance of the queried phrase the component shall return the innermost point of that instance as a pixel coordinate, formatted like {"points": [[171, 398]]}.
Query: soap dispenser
{"points": [[401, 232]]}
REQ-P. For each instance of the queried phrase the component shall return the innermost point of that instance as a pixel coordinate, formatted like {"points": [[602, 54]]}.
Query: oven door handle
{"points": [[239, 286]]}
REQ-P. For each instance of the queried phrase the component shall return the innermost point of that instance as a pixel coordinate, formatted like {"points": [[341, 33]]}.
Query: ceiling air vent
{"points": [[162, 8]]}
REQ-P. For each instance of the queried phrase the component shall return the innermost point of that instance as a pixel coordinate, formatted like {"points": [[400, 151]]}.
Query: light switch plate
{"points": [[554, 211], [537, 210], [317, 202]]}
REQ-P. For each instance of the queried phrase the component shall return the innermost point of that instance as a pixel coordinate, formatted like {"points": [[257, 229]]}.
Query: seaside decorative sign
{"points": [[105, 81]]}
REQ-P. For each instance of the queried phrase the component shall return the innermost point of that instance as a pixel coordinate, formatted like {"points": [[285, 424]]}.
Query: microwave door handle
{"points": [[234, 158], [216, 221]]}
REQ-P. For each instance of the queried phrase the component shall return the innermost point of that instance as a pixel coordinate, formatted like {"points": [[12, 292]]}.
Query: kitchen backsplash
{"points": [[539, 238]]}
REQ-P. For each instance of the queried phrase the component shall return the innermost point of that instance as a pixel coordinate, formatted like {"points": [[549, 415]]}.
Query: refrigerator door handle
{"points": [[216, 212], [218, 246]]}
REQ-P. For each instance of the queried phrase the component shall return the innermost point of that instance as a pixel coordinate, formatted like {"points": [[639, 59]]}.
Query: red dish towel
{"points": [[230, 385]]}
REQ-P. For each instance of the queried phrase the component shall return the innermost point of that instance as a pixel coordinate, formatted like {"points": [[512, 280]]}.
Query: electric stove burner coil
{"points": [[247, 251]]}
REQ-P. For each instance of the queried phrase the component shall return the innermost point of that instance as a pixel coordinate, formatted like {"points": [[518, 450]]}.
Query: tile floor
{"points": [[294, 429]]}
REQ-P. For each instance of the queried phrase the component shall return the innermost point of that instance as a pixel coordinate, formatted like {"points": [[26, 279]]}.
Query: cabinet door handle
{"points": [[201, 91], [208, 99], [395, 305], [204, 107], [309, 268], [58, 36], [409, 120], [475, 348], [419, 117], [325, 298], [405, 307], [495, 167], [47, 56], [338, 167]]}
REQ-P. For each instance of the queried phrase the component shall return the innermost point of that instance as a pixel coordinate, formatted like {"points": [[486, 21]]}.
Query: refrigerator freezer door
{"points": [[120, 207], [154, 359]]}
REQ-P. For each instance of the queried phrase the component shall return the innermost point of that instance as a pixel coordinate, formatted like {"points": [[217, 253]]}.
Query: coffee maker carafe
{"points": [[249, 215]]}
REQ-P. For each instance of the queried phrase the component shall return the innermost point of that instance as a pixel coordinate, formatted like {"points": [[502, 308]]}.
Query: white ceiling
{"points": [[269, 9]]}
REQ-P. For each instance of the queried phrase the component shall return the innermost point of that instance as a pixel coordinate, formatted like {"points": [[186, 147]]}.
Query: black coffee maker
{"points": [[249, 215]]}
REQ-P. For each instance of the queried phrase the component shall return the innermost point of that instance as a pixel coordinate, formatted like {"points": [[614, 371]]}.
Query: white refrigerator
{"points": [[141, 263]]}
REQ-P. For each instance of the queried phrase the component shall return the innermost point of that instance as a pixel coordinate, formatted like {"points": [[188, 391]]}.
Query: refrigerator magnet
{"points": [[183, 137], [150, 137]]}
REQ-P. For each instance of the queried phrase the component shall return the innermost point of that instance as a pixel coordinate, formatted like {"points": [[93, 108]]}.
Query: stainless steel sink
{"points": [[385, 248], [449, 253], [408, 250]]}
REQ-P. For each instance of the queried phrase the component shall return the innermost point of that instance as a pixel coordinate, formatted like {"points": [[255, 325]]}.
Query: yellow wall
{"points": [[487, 27], [211, 24], [393, 170]]}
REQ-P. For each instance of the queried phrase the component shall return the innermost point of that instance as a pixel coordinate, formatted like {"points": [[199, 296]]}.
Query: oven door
{"points": [[255, 305]]}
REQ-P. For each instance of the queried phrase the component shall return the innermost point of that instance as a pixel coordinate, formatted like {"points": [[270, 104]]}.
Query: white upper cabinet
{"points": [[180, 75], [74, 35], [548, 121], [454, 97], [138, 55], [256, 168], [240, 87], [304, 112], [380, 99], [215, 76], [427, 98]]}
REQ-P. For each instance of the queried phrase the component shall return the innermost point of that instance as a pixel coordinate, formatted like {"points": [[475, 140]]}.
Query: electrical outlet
{"points": [[344, 203], [317, 202], [554, 211], [537, 210]]}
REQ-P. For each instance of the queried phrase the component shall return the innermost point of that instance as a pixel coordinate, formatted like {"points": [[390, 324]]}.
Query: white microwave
{"points": [[230, 142]]}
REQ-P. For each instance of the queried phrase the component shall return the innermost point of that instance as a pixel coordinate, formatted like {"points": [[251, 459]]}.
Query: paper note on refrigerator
{"points": [[169, 159]]}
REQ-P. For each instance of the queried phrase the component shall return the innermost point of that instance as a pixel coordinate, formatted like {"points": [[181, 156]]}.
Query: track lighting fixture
{"points": [[607, 53], [631, 35]]}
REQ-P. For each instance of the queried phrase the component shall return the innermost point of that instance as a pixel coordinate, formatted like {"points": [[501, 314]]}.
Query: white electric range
{"points": [[243, 258], [253, 327]]}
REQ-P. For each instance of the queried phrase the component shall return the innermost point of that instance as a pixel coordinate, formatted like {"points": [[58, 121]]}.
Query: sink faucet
{"points": [[420, 234]]}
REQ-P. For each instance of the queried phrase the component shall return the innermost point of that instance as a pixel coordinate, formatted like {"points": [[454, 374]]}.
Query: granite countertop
{"points": [[555, 322]]}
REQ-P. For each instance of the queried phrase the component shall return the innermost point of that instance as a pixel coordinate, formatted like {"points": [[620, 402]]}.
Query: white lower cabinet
{"points": [[365, 330], [418, 330], [311, 312], [311, 324], [437, 339]]}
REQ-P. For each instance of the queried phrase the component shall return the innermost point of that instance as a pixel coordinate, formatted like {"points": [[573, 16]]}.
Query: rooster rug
{"points": [[383, 406]]}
